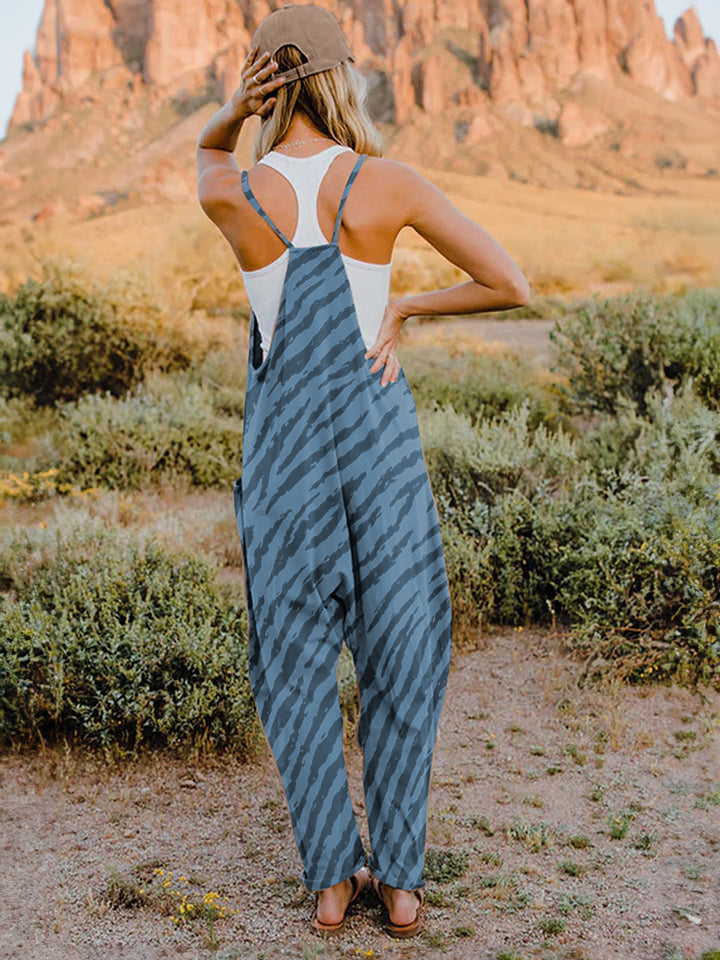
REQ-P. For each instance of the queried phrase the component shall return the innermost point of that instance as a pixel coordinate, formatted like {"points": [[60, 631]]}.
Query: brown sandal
{"points": [[401, 930], [359, 881]]}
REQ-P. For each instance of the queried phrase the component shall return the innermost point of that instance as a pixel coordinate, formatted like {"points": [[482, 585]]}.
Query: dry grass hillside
{"points": [[110, 180]]}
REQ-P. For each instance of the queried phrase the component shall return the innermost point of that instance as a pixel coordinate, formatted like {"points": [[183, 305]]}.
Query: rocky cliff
{"points": [[431, 56]]}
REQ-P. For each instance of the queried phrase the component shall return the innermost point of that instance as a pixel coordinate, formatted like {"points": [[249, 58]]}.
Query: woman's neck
{"points": [[300, 129]]}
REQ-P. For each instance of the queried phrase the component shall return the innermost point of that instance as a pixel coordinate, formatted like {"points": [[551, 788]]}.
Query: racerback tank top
{"points": [[369, 282]]}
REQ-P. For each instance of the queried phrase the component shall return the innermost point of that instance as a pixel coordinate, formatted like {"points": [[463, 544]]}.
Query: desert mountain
{"points": [[579, 93], [508, 51]]}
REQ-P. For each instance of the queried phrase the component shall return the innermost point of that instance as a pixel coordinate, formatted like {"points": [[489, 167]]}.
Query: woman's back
{"points": [[387, 196], [369, 280]]}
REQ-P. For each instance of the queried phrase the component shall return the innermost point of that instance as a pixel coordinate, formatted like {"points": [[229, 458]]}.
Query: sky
{"points": [[19, 20]]}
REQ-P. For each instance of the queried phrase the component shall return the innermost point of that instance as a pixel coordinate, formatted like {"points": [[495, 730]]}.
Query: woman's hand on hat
{"points": [[386, 343], [252, 94]]}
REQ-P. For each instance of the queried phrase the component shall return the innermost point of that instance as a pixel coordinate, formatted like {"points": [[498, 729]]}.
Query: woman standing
{"points": [[339, 530]]}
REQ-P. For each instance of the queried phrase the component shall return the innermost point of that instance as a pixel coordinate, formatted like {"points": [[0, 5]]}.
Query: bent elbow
{"points": [[203, 199], [519, 293]]}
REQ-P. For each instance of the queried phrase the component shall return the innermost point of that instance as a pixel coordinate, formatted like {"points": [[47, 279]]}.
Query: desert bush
{"points": [[644, 588], [635, 576], [119, 645], [25, 435], [468, 463], [615, 352], [507, 558], [150, 436], [486, 480], [224, 373], [33, 487], [480, 385], [65, 336], [535, 533], [677, 441]]}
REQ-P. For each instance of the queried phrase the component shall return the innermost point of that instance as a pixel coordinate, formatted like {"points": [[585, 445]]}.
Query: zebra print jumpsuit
{"points": [[341, 541]]}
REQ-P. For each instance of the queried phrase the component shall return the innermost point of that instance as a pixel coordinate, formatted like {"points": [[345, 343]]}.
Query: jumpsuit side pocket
{"points": [[237, 497], [256, 353]]}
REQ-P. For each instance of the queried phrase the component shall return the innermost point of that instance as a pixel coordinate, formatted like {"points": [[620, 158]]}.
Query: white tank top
{"points": [[369, 282]]}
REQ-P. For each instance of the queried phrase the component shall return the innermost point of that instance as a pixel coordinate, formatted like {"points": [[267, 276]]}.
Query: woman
{"points": [[340, 535]]}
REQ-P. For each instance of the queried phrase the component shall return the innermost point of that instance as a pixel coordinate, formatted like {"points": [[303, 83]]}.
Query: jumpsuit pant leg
{"points": [[401, 648], [395, 618], [296, 692]]}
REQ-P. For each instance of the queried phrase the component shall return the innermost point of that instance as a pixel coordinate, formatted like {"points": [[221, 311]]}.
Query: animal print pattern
{"points": [[341, 541]]}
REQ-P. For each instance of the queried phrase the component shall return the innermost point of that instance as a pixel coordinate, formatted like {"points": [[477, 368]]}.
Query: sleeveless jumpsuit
{"points": [[340, 541]]}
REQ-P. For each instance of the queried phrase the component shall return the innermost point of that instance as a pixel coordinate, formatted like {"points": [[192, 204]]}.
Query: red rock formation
{"points": [[36, 99], [400, 71], [646, 53], [578, 125], [47, 44], [532, 48], [74, 43], [699, 54], [521, 52], [430, 84], [133, 26], [85, 29], [182, 47], [689, 37]]}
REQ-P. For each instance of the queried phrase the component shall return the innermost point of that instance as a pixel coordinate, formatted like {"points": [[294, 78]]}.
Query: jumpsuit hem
{"points": [[337, 876], [393, 879]]}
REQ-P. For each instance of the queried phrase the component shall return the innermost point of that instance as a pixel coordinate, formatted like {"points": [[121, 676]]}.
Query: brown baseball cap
{"points": [[312, 29]]}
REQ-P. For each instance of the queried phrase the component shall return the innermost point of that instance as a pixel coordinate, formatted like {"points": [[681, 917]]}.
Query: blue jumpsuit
{"points": [[341, 541]]}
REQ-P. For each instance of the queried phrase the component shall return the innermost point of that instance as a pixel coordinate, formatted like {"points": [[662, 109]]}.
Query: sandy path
{"points": [[67, 824]]}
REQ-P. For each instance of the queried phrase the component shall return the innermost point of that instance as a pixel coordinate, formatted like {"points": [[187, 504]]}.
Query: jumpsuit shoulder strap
{"points": [[251, 197], [349, 183]]}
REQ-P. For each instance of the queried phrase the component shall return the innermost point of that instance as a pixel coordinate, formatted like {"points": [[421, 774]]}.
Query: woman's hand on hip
{"points": [[386, 344], [250, 96]]}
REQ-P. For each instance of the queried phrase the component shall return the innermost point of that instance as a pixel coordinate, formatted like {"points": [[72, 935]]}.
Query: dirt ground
{"points": [[531, 775]]}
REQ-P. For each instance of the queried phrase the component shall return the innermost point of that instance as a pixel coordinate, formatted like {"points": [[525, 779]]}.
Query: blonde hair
{"points": [[333, 100]]}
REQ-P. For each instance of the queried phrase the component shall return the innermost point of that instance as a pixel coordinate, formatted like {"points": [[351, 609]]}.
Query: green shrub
{"points": [[480, 386], [25, 434], [471, 587], [501, 494], [645, 593], [677, 441], [149, 436], [469, 463], [636, 575], [65, 336], [615, 351], [445, 865], [520, 558], [623, 546], [121, 645]]}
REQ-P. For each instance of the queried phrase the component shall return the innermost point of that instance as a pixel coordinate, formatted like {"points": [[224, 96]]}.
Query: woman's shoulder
{"points": [[394, 175], [384, 163]]}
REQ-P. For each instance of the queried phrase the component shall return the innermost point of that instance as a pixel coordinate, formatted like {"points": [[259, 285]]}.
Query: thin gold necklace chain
{"points": [[292, 143]]}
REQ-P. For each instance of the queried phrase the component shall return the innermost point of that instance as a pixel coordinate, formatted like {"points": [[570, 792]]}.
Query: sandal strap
{"points": [[332, 926], [418, 893], [355, 887]]}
